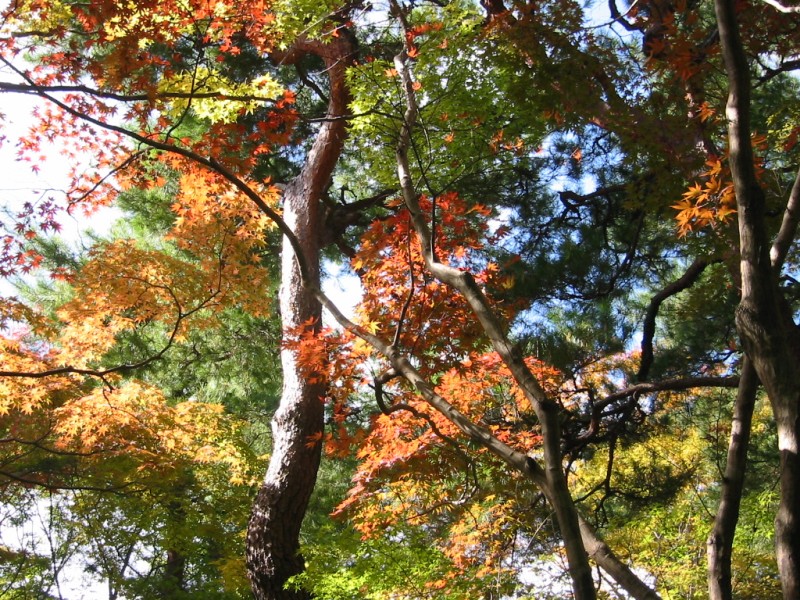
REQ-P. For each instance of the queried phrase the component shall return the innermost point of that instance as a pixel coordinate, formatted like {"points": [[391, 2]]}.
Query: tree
{"points": [[273, 535], [517, 175], [161, 30], [764, 317]]}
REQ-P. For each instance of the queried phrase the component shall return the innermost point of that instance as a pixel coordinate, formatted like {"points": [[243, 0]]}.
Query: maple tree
{"points": [[529, 190], [139, 470]]}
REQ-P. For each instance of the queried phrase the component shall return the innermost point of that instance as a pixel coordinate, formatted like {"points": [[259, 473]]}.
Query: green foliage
{"points": [[469, 90], [123, 539], [122, 522], [701, 314], [309, 18], [26, 567], [658, 505], [567, 146], [404, 566]]}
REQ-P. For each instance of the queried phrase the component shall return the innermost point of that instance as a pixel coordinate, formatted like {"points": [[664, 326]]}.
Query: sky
{"points": [[19, 183]]}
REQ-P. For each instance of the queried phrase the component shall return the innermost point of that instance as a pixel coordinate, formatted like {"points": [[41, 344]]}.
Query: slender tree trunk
{"points": [[768, 333], [720, 541], [554, 482], [273, 549], [605, 558], [787, 523]]}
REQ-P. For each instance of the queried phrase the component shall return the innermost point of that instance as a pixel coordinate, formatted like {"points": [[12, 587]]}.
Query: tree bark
{"points": [[763, 320], [720, 541], [605, 558], [174, 571], [273, 549]]}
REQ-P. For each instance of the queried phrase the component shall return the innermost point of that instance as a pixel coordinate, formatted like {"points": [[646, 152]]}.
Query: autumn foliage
{"points": [[539, 206]]}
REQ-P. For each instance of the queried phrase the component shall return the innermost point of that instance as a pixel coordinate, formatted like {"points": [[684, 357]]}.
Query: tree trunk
{"points": [[174, 571], [603, 556], [273, 549], [787, 521], [764, 322], [720, 540], [273, 532], [555, 486]]}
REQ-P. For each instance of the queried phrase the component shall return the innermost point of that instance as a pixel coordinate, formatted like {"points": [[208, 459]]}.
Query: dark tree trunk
{"points": [[174, 571], [273, 549], [720, 540], [763, 319]]}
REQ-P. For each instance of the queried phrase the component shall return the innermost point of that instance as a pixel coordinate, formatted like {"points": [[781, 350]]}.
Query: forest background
{"points": [[572, 368]]}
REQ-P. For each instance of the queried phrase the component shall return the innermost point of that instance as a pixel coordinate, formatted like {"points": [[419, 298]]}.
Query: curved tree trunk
{"points": [[273, 533]]}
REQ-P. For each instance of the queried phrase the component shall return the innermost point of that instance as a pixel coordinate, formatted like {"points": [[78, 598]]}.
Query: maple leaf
{"points": [[314, 439]]}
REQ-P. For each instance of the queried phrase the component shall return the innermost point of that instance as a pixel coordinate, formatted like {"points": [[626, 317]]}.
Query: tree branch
{"points": [[37, 90], [781, 7], [649, 327], [669, 385], [784, 67], [103, 374], [788, 230]]}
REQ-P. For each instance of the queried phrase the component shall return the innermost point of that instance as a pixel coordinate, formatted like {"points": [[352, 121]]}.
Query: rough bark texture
{"points": [[272, 537], [720, 541], [768, 333]]}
